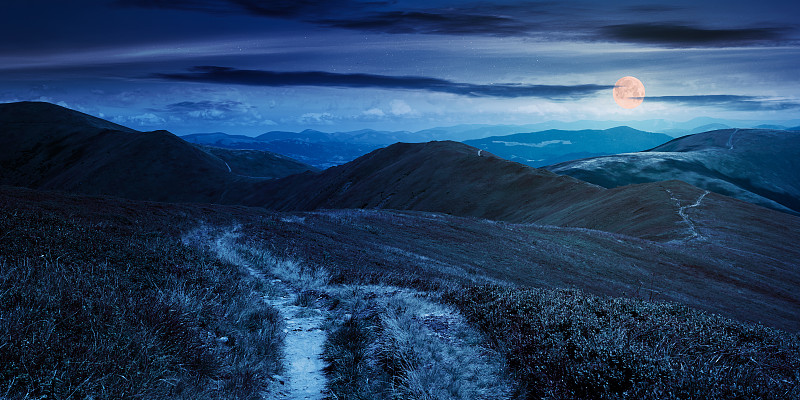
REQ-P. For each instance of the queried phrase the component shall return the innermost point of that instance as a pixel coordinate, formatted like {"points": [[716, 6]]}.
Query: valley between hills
{"points": [[137, 264]]}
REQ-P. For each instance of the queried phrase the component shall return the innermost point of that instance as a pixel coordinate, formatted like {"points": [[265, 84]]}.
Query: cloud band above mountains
{"points": [[732, 102], [224, 75], [538, 20]]}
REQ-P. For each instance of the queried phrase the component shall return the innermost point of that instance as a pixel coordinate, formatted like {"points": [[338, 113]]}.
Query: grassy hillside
{"points": [[257, 163], [44, 146], [103, 297], [755, 165], [457, 179]]}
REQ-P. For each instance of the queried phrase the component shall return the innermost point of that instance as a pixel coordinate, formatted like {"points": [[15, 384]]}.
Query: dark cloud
{"points": [[733, 102], [225, 75], [447, 23], [266, 8], [687, 36]]}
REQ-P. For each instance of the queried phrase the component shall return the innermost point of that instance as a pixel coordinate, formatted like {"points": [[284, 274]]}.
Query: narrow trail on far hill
{"points": [[730, 139], [693, 234]]}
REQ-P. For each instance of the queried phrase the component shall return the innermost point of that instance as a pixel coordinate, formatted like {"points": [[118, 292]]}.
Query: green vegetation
{"points": [[110, 308], [564, 344]]}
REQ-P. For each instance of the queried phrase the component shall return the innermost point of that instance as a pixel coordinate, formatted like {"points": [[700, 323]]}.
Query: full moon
{"points": [[629, 92]]}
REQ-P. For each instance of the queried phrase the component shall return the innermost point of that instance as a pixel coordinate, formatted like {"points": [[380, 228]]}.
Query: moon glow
{"points": [[629, 92]]}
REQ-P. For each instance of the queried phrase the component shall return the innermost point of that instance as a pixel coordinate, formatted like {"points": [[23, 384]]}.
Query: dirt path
{"points": [[303, 344], [437, 353], [304, 378]]}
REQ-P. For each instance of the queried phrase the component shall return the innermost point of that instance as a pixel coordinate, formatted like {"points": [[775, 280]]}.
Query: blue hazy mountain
{"points": [[324, 150], [319, 149], [760, 166], [538, 149], [327, 149]]}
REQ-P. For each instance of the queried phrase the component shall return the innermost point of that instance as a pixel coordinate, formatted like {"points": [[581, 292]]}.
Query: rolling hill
{"points": [[258, 163], [45, 146], [538, 149], [453, 178], [755, 165]]}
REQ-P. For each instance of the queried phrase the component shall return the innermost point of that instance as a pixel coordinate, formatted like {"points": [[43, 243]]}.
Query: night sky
{"points": [[249, 66]]}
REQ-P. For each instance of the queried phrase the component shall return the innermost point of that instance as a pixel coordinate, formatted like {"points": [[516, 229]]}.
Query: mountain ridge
{"points": [[755, 165], [46, 146], [541, 148]]}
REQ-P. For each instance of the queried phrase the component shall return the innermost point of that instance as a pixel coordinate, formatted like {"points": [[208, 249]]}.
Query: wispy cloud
{"points": [[523, 19], [212, 74], [733, 102]]}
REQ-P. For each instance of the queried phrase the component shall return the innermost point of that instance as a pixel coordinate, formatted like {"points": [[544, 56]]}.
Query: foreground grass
{"points": [[390, 343], [112, 308], [565, 344], [386, 342], [100, 299]]}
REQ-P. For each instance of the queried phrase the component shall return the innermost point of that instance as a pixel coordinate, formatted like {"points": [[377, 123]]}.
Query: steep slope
{"points": [[552, 146], [257, 163], [428, 176], [45, 146], [754, 165]]}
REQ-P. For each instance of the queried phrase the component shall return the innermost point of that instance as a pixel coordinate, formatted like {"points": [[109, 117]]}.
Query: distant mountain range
{"points": [[760, 166], [319, 149], [538, 149], [323, 150]]}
